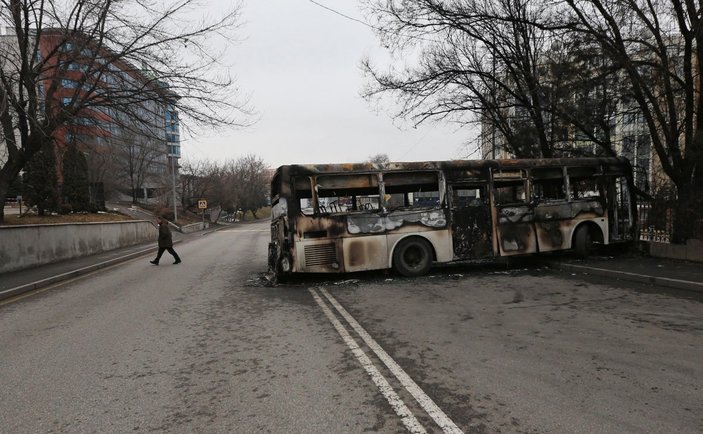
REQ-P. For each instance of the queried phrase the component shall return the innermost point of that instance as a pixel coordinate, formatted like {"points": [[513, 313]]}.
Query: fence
{"points": [[656, 221]]}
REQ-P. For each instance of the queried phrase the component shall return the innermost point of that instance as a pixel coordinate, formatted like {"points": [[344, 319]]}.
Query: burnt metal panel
{"points": [[550, 226], [347, 181], [378, 223], [551, 236], [320, 254], [594, 207], [554, 222], [333, 226], [517, 239], [366, 224], [315, 234], [410, 178], [516, 233], [615, 165], [365, 253], [467, 174]]}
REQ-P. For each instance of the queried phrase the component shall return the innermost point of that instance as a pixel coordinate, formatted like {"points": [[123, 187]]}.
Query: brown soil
{"points": [[69, 218]]}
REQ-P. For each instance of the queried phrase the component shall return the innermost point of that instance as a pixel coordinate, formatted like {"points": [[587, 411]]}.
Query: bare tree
{"points": [[253, 183], [136, 160], [659, 46], [235, 185], [242, 184], [379, 159], [225, 191], [124, 60], [505, 64], [199, 179], [478, 61]]}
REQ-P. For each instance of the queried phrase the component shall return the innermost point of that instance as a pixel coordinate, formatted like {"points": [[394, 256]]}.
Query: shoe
{"points": [[154, 262], [177, 262]]}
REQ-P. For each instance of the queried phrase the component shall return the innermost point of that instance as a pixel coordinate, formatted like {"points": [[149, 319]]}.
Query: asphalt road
{"points": [[207, 346]]}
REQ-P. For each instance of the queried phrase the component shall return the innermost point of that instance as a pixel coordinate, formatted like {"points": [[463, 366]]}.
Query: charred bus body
{"points": [[353, 217]]}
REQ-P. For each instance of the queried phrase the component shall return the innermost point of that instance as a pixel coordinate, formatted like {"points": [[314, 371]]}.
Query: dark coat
{"points": [[165, 239]]}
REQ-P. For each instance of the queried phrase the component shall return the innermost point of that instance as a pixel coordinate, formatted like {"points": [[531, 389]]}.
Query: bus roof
{"points": [[313, 169]]}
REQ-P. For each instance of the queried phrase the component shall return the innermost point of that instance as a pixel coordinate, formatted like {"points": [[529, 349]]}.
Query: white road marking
{"points": [[447, 425], [406, 416], [245, 230]]}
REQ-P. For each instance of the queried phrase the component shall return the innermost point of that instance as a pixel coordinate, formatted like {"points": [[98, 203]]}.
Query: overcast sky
{"points": [[299, 63]]}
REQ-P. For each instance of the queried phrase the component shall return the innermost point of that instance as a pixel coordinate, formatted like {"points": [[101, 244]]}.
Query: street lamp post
{"points": [[173, 179]]}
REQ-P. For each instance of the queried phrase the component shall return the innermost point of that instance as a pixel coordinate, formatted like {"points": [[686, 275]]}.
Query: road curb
{"points": [[686, 285], [19, 290]]}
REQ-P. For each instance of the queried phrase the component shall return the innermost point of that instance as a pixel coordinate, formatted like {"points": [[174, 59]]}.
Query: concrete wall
{"points": [[691, 251], [194, 227], [28, 245]]}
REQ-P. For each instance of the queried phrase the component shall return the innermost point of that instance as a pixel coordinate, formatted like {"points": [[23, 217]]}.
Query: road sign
{"points": [[202, 204]]}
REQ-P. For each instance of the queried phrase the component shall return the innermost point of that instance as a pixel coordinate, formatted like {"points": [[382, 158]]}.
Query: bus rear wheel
{"points": [[412, 257], [583, 242]]}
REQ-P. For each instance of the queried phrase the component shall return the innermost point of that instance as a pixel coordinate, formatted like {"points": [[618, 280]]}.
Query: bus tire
{"points": [[583, 242], [412, 257]]}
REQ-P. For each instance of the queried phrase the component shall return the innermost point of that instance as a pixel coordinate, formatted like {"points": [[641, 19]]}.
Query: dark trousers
{"points": [[170, 250]]}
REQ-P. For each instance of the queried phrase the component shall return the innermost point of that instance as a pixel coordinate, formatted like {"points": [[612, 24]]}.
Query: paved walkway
{"points": [[664, 272], [18, 282]]}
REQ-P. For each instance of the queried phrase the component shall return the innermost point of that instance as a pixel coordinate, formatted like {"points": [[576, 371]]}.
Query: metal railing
{"points": [[655, 221]]}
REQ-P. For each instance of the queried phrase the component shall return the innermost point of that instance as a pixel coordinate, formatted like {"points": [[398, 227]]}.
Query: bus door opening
{"points": [[471, 221], [513, 213], [620, 210], [553, 213]]}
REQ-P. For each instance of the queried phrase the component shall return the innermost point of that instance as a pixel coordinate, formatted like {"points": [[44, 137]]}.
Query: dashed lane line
{"points": [[406, 416], [444, 422]]}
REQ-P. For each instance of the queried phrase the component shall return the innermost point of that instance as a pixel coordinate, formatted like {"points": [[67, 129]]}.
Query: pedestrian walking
{"points": [[165, 242]]}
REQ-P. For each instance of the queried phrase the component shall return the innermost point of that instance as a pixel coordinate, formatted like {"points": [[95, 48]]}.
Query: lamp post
{"points": [[495, 98], [173, 179]]}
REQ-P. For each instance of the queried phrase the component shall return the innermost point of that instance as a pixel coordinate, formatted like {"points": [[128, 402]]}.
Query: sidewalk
{"points": [[18, 282], [643, 269]]}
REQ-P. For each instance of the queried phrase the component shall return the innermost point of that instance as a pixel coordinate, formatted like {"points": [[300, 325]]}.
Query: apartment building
{"points": [[120, 116]]}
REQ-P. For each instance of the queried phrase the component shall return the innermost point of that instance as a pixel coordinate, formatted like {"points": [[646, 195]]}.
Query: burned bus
{"points": [[336, 218]]}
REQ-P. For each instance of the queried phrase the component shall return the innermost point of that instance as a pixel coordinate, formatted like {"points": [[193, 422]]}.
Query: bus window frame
{"points": [[499, 176], [439, 182], [598, 177], [348, 186], [536, 179]]}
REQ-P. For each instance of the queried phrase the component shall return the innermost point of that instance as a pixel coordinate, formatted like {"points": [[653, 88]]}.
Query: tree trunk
{"points": [[684, 214], [8, 173], [4, 187]]}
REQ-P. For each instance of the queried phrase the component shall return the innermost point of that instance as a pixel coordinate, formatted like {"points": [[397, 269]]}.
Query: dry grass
{"points": [[13, 219]]}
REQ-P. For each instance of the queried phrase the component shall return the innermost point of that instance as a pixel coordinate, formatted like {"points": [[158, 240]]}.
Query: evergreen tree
{"points": [[39, 179], [76, 191]]}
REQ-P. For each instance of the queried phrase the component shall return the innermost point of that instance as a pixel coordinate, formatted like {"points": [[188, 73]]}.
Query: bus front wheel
{"points": [[412, 257], [583, 242]]}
